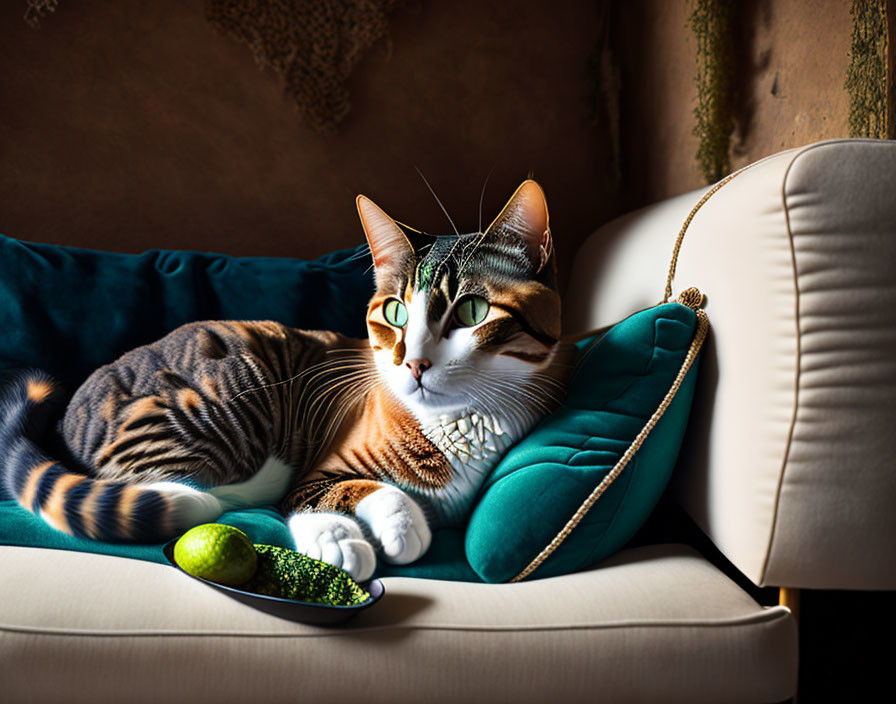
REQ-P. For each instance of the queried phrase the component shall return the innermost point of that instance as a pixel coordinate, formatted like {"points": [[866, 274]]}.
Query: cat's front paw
{"points": [[397, 523], [335, 539]]}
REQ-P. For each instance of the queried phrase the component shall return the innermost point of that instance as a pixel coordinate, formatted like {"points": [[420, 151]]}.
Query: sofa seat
{"points": [[656, 623]]}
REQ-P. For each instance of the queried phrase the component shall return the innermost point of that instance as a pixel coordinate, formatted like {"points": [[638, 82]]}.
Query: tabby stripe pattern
{"points": [[73, 503]]}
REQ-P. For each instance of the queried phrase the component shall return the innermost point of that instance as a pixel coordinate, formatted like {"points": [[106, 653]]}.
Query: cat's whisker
{"points": [[309, 370], [362, 253], [531, 378], [511, 389], [532, 375], [553, 391], [510, 417], [325, 396], [481, 237], [335, 366], [329, 431], [346, 398], [332, 366], [508, 397], [345, 404], [453, 227], [263, 387], [334, 387], [482, 197], [546, 397], [315, 415], [328, 393], [491, 407]]}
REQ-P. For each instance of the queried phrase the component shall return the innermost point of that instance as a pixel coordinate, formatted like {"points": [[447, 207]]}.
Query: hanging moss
{"points": [[866, 76], [36, 10], [313, 45], [711, 22]]}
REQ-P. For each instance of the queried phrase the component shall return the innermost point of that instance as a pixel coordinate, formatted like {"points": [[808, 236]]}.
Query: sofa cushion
{"points": [[788, 465], [619, 383], [68, 311], [653, 624]]}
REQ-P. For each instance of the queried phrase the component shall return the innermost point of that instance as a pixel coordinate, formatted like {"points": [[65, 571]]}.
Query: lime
{"points": [[218, 553]]}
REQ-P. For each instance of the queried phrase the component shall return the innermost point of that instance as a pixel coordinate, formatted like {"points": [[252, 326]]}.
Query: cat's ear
{"points": [[388, 243], [526, 215]]}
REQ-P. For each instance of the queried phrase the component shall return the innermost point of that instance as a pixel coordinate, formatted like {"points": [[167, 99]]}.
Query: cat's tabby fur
{"points": [[364, 444]]}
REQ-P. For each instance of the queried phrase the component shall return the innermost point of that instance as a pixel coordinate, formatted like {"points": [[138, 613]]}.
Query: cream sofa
{"points": [[787, 469]]}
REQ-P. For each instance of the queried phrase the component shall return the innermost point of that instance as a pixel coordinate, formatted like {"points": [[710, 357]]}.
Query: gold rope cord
{"points": [[684, 228], [693, 351], [312, 44]]}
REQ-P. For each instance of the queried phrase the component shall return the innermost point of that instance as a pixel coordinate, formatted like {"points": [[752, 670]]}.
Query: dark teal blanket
{"points": [[445, 559]]}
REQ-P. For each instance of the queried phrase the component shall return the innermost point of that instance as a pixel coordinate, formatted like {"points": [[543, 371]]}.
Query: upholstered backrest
{"points": [[790, 461]]}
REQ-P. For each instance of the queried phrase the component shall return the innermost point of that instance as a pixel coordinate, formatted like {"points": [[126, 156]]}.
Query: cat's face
{"points": [[464, 322]]}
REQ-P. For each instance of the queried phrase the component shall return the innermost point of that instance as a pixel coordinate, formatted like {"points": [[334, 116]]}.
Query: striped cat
{"points": [[365, 445]]}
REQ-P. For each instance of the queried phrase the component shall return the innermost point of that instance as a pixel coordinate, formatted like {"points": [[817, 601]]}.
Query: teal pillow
{"points": [[619, 383], [69, 311]]}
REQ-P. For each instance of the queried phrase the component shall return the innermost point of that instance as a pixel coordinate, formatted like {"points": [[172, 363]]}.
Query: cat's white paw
{"points": [[397, 523], [335, 539]]}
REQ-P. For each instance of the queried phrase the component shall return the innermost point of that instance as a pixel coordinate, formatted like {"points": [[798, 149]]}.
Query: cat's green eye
{"points": [[395, 313], [471, 311]]}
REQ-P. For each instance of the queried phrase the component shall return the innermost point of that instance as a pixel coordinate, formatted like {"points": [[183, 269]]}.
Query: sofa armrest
{"points": [[790, 461]]}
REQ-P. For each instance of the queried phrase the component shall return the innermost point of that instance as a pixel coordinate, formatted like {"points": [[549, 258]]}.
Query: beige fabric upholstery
{"points": [[789, 461], [654, 624]]}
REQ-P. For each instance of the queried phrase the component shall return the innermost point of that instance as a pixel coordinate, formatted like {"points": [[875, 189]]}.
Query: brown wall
{"points": [[136, 125], [791, 59], [130, 125]]}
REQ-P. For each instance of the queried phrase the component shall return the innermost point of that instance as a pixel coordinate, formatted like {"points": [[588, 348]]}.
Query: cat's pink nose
{"points": [[418, 366]]}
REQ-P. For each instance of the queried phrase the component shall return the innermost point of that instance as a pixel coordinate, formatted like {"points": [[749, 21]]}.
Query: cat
{"points": [[364, 445]]}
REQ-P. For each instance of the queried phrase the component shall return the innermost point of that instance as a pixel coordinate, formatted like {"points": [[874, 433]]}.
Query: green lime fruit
{"points": [[218, 553]]}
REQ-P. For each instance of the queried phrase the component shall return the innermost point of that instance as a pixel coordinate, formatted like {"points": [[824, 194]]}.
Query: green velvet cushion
{"points": [[69, 310], [618, 384]]}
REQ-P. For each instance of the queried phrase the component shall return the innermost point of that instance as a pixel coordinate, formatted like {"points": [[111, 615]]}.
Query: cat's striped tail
{"points": [[76, 504]]}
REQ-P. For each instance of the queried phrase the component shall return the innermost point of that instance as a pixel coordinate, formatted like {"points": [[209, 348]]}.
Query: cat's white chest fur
{"points": [[473, 444]]}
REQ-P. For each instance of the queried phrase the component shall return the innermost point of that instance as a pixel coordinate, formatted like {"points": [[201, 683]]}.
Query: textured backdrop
{"points": [[131, 125]]}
